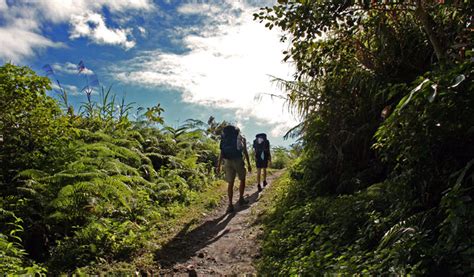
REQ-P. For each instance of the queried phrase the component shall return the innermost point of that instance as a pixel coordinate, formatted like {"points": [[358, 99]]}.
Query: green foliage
{"points": [[154, 114], [13, 255], [430, 134], [384, 184], [367, 232], [92, 188], [281, 158], [29, 120]]}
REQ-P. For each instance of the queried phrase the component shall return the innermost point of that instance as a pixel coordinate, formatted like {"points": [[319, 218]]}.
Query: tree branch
{"points": [[427, 24]]}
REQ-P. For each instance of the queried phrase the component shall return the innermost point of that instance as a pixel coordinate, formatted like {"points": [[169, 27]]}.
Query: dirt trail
{"points": [[223, 244]]}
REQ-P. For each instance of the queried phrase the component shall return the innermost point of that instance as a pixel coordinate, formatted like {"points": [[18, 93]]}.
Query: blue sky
{"points": [[195, 58]]}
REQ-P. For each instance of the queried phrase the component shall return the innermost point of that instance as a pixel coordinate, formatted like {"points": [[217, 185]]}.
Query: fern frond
{"points": [[135, 181], [136, 136], [31, 174], [115, 167], [71, 177], [93, 137], [402, 229], [127, 143]]}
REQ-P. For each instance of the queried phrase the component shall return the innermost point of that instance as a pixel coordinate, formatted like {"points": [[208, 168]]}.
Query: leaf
{"points": [[329, 255], [463, 172], [317, 229], [413, 92], [435, 92], [459, 79], [394, 234]]}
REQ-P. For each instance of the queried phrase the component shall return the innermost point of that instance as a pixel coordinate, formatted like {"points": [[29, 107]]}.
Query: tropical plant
{"points": [[88, 188], [387, 103], [280, 157]]}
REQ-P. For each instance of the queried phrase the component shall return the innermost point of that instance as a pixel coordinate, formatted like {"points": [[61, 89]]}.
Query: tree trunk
{"points": [[427, 24]]}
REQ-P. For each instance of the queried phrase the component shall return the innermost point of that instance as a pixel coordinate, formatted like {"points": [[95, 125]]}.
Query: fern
{"points": [[135, 135], [31, 174], [127, 143], [115, 167], [95, 186], [69, 176], [91, 136], [404, 228]]}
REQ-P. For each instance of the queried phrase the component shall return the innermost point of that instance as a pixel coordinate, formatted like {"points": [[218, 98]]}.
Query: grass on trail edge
{"points": [[267, 205], [203, 203], [269, 199]]}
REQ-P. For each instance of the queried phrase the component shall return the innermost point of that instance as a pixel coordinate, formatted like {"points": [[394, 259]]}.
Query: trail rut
{"points": [[222, 244]]}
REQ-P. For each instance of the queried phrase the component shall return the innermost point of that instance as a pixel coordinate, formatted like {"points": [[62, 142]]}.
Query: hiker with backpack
{"points": [[263, 158], [233, 147]]}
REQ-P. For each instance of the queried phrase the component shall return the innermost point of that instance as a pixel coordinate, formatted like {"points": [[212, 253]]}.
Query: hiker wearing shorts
{"points": [[261, 147], [233, 147]]}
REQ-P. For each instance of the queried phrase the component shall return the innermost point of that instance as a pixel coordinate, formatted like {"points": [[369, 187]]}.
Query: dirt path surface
{"points": [[222, 244]]}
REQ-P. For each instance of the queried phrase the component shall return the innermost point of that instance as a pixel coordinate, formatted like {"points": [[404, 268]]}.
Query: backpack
{"points": [[230, 143], [262, 150]]}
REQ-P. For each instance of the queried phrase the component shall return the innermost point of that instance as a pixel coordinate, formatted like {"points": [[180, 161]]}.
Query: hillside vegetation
{"points": [[92, 187], [385, 181]]}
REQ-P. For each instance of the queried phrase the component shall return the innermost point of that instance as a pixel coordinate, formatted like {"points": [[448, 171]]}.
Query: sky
{"points": [[196, 58]]}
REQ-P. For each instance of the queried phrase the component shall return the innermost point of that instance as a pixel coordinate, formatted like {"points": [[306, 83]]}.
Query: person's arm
{"points": [[219, 163], [269, 155], [246, 154], [254, 149]]}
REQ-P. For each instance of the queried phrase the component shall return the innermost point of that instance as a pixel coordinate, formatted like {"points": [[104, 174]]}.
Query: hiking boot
{"points": [[243, 201], [230, 209], [265, 183], [259, 187]]}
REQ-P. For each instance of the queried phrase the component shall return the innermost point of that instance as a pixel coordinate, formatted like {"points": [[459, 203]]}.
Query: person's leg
{"points": [[230, 191], [242, 201], [241, 172], [264, 176], [242, 188], [230, 173], [259, 171]]}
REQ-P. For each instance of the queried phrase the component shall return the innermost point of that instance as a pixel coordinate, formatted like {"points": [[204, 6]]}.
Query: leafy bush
{"points": [[91, 188], [385, 181], [430, 133], [14, 260], [30, 121], [281, 158]]}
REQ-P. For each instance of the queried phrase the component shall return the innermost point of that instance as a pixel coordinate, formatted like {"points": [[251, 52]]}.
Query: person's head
{"points": [[230, 130], [260, 138]]}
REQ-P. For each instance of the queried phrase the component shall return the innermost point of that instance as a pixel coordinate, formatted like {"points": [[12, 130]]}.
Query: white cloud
{"points": [[70, 89], [196, 8], [3, 5], [17, 43], [142, 31], [227, 66], [70, 68], [62, 10], [92, 26], [120, 5], [21, 30], [19, 37]]}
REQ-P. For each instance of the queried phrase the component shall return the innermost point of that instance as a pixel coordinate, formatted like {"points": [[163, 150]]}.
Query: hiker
{"points": [[263, 158], [232, 146]]}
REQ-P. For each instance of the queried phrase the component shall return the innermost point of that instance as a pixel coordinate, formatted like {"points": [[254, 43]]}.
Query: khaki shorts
{"points": [[232, 168]]}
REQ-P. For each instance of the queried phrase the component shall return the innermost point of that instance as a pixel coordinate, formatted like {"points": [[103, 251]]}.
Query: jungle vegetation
{"points": [[91, 187], [385, 181]]}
